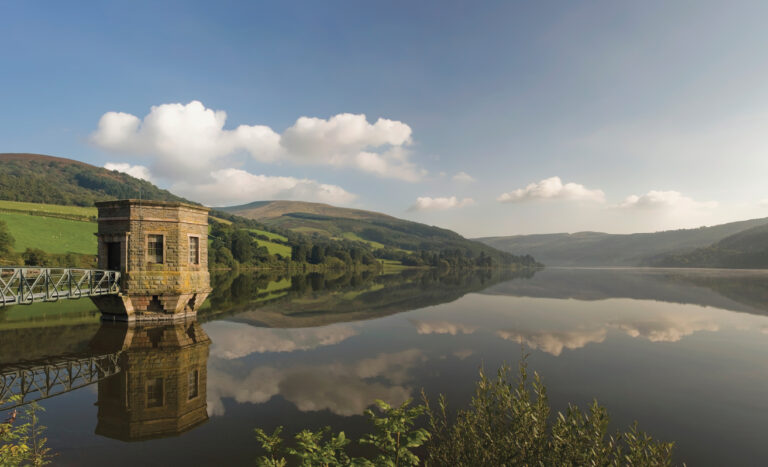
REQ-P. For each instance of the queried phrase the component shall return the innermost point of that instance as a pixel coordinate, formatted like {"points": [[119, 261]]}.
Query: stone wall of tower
{"points": [[150, 289]]}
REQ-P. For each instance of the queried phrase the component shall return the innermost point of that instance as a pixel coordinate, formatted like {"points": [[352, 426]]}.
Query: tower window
{"points": [[194, 250], [155, 248], [155, 393], [193, 384]]}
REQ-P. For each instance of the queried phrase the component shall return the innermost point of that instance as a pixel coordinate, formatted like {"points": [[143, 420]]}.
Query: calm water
{"points": [[685, 353]]}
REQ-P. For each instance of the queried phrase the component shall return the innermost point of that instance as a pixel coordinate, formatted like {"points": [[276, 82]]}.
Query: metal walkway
{"points": [[33, 381], [23, 286]]}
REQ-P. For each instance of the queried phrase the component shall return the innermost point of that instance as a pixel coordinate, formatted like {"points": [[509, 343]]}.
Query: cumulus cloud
{"points": [[442, 327], [463, 177], [426, 203], [665, 200], [185, 138], [553, 342], [344, 389], [670, 328], [235, 186], [138, 171], [462, 354], [237, 340], [553, 188]]}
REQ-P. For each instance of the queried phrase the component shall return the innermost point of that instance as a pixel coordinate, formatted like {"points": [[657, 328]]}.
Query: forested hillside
{"points": [[390, 238], [37, 178], [602, 249], [747, 249]]}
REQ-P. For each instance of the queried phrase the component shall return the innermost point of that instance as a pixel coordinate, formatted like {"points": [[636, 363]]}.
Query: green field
{"points": [[276, 248], [55, 209], [51, 234], [270, 235], [357, 238]]}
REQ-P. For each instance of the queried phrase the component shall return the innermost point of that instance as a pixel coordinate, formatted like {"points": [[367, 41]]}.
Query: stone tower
{"points": [[161, 249], [161, 388]]}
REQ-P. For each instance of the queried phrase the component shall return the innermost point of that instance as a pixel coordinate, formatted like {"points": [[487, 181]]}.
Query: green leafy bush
{"points": [[21, 438], [507, 423]]}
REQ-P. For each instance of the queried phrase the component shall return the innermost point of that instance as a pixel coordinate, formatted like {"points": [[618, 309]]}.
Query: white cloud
{"points": [[237, 340], [553, 188], [442, 327], [463, 177], [553, 342], [670, 328], [235, 186], [316, 387], [665, 200], [764, 203], [138, 171], [182, 139], [426, 203]]}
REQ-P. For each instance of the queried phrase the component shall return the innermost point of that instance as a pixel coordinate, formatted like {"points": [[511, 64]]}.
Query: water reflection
{"points": [[341, 388], [316, 350], [151, 380], [161, 390]]}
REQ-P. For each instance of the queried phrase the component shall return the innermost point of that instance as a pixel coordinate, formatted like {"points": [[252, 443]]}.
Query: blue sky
{"points": [[496, 117]]}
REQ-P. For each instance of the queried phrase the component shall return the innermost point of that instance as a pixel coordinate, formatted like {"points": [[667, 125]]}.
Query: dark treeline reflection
{"points": [[736, 290], [344, 295]]}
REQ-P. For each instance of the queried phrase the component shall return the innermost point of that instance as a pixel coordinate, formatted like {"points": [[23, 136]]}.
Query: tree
{"points": [[318, 254], [35, 257], [6, 239], [242, 246]]}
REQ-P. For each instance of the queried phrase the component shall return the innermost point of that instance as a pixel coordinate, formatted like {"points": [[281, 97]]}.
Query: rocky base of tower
{"points": [[163, 307]]}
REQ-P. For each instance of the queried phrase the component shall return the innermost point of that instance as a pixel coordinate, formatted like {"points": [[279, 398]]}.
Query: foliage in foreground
{"points": [[507, 423], [21, 438]]}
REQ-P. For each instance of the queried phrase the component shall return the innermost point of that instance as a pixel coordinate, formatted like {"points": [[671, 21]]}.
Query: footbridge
{"points": [[27, 382], [27, 285]]}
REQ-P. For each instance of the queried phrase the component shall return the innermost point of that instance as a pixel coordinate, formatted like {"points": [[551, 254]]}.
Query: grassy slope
{"points": [[52, 235], [43, 209], [601, 249], [275, 248]]}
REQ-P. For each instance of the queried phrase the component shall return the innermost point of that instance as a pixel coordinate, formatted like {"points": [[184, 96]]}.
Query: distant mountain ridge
{"points": [[38, 178], [381, 231], [746, 249], [603, 249]]}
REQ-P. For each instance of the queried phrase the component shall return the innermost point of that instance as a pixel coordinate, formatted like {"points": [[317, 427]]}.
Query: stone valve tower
{"points": [[161, 250]]}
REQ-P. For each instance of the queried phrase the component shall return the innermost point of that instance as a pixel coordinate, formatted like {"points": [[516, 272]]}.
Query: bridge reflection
{"points": [[151, 378]]}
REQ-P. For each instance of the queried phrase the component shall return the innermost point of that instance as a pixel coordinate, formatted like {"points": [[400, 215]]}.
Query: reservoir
{"points": [[684, 352]]}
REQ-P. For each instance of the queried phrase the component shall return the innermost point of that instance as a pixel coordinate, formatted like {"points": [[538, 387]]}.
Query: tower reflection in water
{"points": [[161, 390]]}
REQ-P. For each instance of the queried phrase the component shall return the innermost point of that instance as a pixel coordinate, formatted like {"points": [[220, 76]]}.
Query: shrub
{"points": [[21, 438], [507, 423]]}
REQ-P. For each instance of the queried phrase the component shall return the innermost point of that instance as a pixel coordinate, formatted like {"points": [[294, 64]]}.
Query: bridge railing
{"points": [[26, 285], [33, 381]]}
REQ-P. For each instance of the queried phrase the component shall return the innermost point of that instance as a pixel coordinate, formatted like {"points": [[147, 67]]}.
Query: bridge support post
{"points": [[161, 249]]}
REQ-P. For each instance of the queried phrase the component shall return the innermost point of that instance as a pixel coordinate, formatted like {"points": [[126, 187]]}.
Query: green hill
{"points": [[602, 249], [47, 203], [379, 231], [747, 249], [35, 178]]}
